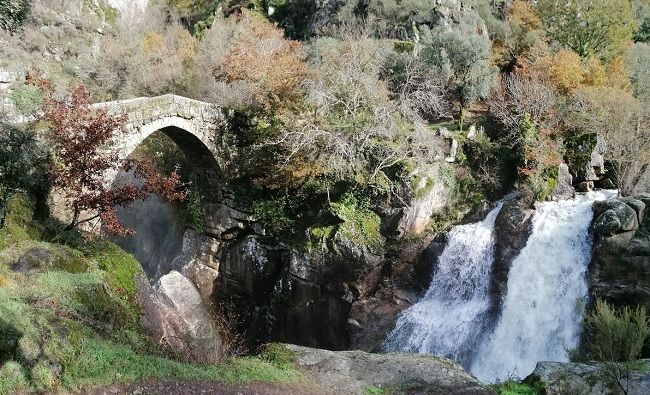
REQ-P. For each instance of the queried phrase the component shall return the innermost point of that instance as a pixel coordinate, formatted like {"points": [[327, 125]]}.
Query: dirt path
{"points": [[174, 387]]}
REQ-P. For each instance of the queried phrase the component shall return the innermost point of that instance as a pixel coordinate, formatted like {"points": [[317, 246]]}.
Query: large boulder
{"points": [[564, 189], [620, 266], [44, 257], [358, 372], [372, 318], [564, 378], [174, 314], [616, 216]]}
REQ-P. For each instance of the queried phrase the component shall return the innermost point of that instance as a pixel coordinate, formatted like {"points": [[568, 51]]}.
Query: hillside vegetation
{"points": [[364, 96]]}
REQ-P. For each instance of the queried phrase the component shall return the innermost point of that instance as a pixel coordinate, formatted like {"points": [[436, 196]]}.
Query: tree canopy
{"points": [[600, 28]]}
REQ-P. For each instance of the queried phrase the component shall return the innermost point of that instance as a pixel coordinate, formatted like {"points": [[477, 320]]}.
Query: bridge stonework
{"points": [[174, 115]]}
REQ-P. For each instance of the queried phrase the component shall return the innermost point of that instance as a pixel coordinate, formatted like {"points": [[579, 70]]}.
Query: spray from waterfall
{"points": [[160, 243], [449, 319], [547, 287]]}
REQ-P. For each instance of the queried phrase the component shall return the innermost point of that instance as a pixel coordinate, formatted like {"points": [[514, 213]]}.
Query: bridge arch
{"points": [[192, 125]]}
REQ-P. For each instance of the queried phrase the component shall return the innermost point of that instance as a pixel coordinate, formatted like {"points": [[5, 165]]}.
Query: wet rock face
{"points": [[353, 372], [372, 318], [512, 227], [620, 266], [406, 277], [560, 378], [303, 297]]}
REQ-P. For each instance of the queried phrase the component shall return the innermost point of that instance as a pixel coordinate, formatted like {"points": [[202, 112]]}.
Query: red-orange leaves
{"points": [[80, 137]]}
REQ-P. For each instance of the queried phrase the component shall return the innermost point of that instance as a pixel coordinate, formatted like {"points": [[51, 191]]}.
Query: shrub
{"points": [[13, 13], [194, 206], [13, 378], [278, 355], [516, 388], [616, 338], [27, 99], [616, 335], [18, 158]]}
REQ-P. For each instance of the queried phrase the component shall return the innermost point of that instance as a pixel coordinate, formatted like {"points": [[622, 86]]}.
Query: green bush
{"points": [[516, 388], [121, 270], [13, 13], [616, 335], [194, 206], [278, 356], [19, 164], [616, 338], [27, 99], [360, 224]]}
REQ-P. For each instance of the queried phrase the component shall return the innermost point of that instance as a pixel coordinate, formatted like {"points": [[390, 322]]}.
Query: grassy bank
{"points": [[69, 320]]}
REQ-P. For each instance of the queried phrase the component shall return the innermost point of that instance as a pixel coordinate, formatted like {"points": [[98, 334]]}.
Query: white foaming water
{"points": [[541, 315], [452, 314]]}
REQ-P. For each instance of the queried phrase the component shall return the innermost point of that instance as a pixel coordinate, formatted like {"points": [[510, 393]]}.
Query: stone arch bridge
{"points": [[193, 125]]}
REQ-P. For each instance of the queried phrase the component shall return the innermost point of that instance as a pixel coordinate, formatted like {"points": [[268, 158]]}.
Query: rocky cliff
{"points": [[620, 267]]}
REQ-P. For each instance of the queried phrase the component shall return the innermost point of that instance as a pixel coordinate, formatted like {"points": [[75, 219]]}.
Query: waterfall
{"points": [[453, 312], [542, 312]]}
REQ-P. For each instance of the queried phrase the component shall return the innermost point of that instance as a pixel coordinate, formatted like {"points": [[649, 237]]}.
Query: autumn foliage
{"points": [[78, 135], [274, 67]]}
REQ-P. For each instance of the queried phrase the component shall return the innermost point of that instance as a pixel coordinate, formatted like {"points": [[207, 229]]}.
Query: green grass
{"points": [[64, 329], [108, 362], [515, 388]]}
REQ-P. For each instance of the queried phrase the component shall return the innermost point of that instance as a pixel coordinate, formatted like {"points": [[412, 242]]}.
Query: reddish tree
{"points": [[79, 136]]}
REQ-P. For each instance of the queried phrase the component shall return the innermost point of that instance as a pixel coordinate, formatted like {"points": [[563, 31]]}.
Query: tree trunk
{"points": [[75, 218]]}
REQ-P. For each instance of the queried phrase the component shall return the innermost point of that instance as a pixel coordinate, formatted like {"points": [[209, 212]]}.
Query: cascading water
{"points": [[541, 315], [450, 318], [547, 287]]}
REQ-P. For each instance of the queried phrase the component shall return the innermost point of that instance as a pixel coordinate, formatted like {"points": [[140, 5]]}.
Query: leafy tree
{"points": [[642, 12], [526, 106], [624, 124], [13, 13], [600, 28], [568, 72], [78, 135], [18, 170], [525, 26], [293, 16], [617, 337], [463, 59], [273, 66], [638, 61], [563, 69]]}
